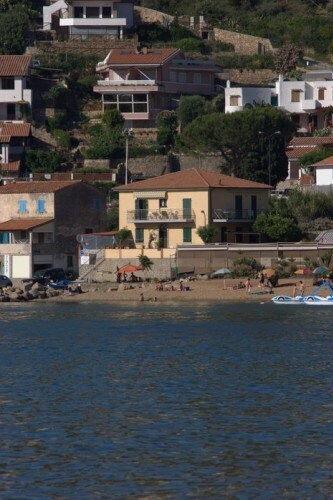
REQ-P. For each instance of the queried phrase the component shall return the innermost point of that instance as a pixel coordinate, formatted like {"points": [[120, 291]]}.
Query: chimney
{"points": [[144, 50]]}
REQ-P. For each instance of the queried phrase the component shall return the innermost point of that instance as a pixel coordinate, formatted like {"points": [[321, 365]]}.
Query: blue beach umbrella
{"points": [[320, 270], [221, 272]]}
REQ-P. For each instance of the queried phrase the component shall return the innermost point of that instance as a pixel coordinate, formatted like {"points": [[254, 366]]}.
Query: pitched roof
{"points": [[298, 152], [327, 162], [14, 65], [325, 237], [13, 129], [132, 57], [13, 166], [36, 187], [192, 178], [311, 141], [22, 224]]}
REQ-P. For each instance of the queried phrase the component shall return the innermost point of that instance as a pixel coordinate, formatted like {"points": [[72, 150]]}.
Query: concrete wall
{"points": [[161, 268], [206, 260], [243, 44]]}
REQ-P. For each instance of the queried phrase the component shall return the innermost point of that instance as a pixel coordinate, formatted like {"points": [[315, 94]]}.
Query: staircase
{"points": [[87, 270]]}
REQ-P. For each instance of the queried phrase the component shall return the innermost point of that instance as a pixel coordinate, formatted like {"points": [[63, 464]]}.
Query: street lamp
{"points": [[204, 214], [127, 134], [269, 137]]}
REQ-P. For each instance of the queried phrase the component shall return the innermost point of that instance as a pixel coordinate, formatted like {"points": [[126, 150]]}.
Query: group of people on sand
{"points": [[132, 278]]}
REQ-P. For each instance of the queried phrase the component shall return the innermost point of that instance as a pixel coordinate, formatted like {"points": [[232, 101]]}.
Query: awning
{"points": [[22, 224], [150, 194]]}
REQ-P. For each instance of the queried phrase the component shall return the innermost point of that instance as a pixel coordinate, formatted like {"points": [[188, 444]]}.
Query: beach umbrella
{"points": [[268, 273], [221, 272], [129, 268], [303, 271], [320, 270]]}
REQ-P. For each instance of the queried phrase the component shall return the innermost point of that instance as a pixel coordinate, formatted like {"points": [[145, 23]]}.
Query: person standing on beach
{"points": [[261, 279], [248, 285], [301, 288]]}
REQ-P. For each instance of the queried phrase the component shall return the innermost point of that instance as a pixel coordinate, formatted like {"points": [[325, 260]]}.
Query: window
{"points": [[70, 261], [78, 12], [163, 203], [321, 94], [173, 76], [187, 235], [182, 77], [11, 111], [40, 237], [197, 78], [295, 96], [23, 207], [274, 100], [106, 11], [234, 99], [8, 84], [40, 206], [92, 12], [239, 235], [139, 235]]}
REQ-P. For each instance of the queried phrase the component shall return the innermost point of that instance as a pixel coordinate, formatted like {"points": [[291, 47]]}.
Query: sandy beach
{"points": [[199, 291]]}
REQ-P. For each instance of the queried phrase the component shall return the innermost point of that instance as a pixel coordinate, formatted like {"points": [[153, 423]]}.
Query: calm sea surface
{"points": [[160, 401]]}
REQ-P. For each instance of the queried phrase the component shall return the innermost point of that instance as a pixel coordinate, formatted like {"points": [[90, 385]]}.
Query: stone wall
{"points": [[253, 77], [97, 46], [143, 15], [161, 269], [244, 44]]}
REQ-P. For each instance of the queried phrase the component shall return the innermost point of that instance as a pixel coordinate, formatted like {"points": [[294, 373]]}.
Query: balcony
{"points": [[19, 248], [92, 21], [221, 215], [310, 104], [162, 215], [120, 83]]}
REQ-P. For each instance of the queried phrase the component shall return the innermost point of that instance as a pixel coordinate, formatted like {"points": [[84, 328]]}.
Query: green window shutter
{"points": [[187, 235], [139, 235]]}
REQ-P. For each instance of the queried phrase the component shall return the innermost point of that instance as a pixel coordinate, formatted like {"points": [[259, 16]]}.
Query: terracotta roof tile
{"points": [[15, 129], [129, 56], [298, 152], [311, 141], [327, 162], [36, 187], [22, 224], [14, 65], [192, 178], [13, 166]]}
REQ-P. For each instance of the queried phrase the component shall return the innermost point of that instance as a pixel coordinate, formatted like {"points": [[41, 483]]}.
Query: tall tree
{"points": [[246, 140]]}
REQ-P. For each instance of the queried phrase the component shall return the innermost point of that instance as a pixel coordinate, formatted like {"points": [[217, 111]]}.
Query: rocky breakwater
{"points": [[27, 292]]}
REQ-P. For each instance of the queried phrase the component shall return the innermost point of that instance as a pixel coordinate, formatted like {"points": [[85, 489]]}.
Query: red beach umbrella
{"points": [[129, 268]]}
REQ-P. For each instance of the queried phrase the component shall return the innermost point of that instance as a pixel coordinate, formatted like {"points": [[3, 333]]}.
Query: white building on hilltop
{"points": [[305, 100]]}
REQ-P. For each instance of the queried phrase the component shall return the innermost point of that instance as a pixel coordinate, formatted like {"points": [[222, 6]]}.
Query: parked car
{"points": [[5, 281], [53, 274]]}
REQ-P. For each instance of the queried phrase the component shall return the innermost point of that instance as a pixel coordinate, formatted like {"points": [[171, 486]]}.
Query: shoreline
{"points": [[200, 291], [210, 291]]}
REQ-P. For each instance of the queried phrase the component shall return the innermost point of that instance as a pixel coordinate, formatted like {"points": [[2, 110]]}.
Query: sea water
{"points": [[165, 401]]}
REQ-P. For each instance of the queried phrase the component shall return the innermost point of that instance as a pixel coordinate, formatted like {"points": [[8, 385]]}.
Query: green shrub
{"points": [[57, 122], [63, 139], [190, 45]]}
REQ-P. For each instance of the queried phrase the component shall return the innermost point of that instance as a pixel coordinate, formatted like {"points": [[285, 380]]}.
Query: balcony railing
{"points": [[161, 215], [117, 83], [221, 215]]}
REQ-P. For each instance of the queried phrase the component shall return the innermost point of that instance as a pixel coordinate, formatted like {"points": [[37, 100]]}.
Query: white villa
{"points": [[306, 99], [84, 18]]}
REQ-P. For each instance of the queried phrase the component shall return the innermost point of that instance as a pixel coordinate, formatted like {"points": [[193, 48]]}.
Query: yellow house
{"points": [[168, 210]]}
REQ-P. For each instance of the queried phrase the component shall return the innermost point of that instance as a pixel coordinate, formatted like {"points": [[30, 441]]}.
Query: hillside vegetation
{"points": [[307, 23]]}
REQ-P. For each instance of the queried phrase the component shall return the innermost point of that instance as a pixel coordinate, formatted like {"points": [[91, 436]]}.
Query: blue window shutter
{"points": [[40, 206], [97, 204], [22, 206], [4, 238]]}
